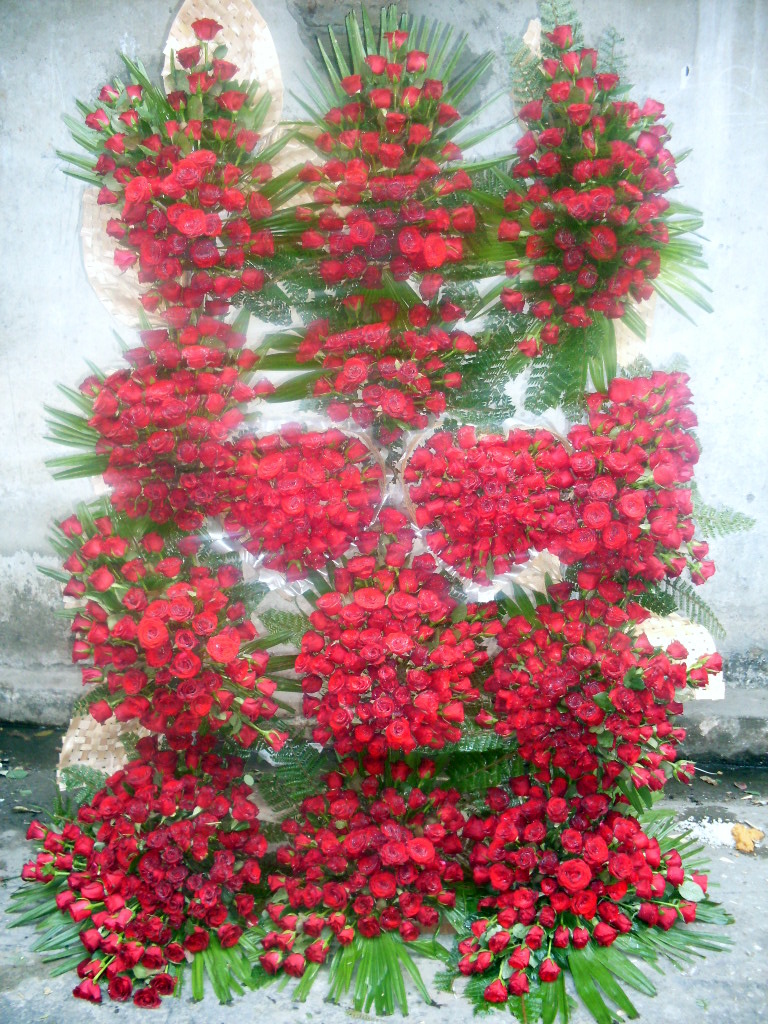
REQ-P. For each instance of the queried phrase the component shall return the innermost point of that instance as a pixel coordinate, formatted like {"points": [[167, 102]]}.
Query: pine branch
{"points": [[477, 772], [612, 58]]}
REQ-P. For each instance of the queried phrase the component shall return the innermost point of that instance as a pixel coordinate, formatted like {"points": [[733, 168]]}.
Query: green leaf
{"points": [[587, 989], [691, 891]]}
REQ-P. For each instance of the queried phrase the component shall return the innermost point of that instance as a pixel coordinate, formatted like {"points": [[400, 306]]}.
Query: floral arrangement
{"points": [[484, 766]]}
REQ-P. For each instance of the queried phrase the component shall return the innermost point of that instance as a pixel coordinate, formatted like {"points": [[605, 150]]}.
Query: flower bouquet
{"points": [[469, 779]]}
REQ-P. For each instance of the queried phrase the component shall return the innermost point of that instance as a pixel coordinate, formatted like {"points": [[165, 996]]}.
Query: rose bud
{"points": [[518, 984], [496, 992]]}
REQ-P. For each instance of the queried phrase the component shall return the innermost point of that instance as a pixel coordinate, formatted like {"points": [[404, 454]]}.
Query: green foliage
{"points": [[476, 772], [696, 608], [289, 626], [611, 56], [658, 600], [378, 968], [292, 777], [639, 367], [561, 375], [129, 741], [680, 595], [718, 520], [477, 741], [482, 399], [81, 783]]}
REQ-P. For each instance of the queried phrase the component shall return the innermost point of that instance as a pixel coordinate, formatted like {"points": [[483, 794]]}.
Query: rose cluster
{"points": [[615, 502], [385, 667], [163, 429], [300, 497], [633, 502], [388, 210], [587, 218], [485, 501], [359, 862], [167, 636], [585, 700], [163, 861], [561, 872], [189, 183]]}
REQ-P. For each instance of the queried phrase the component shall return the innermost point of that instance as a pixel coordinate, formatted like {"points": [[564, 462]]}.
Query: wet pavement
{"points": [[731, 986]]}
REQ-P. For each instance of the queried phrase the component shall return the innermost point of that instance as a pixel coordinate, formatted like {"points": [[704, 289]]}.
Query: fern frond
{"points": [[696, 609], [718, 520], [293, 776], [281, 623], [81, 783]]}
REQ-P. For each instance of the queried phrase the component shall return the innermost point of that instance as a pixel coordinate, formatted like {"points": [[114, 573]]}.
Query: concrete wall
{"points": [[704, 60]]}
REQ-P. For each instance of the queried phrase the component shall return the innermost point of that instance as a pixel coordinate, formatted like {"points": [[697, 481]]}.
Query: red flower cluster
{"points": [[167, 636], [386, 151], [362, 862], [586, 701], [385, 668], [589, 215], [165, 858], [193, 213], [378, 370], [300, 497], [485, 501], [633, 467], [618, 506], [164, 427], [562, 872]]}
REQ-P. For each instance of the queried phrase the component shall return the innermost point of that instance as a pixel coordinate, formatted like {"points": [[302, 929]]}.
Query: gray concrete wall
{"points": [[704, 60]]}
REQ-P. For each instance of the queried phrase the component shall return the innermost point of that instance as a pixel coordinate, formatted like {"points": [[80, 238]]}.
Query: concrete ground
{"points": [[727, 987]]}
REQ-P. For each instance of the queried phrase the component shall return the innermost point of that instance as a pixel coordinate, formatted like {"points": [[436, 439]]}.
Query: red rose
{"points": [[584, 904], [496, 992], [561, 37], [224, 647], [548, 970], [206, 28], [232, 100], [152, 632], [120, 988], [88, 990], [421, 850], [518, 984], [602, 244], [574, 875], [147, 998], [382, 885], [163, 984], [102, 579]]}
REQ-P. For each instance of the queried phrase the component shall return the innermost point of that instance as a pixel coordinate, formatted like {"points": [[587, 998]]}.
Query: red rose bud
{"points": [[580, 938], [518, 984], [548, 970], [87, 990], [496, 992], [206, 29], [561, 37], [415, 61]]}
